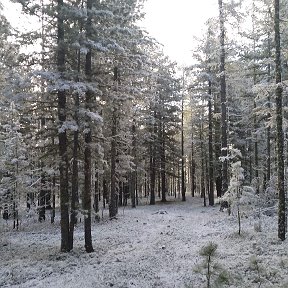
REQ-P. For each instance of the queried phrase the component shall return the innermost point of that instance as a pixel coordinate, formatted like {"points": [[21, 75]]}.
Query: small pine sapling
{"points": [[212, 270], [235, 194]]}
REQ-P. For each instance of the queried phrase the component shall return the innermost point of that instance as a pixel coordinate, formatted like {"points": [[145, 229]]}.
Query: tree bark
{"points": [[210, 146], [62, 111], [224, 146], [279, 124], [113, 194], [88, 140], [183, 184]]}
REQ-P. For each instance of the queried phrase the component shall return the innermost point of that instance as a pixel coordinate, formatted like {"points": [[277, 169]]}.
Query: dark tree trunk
{"points": [[152, 176], [153, 164], [97, 193], [53, 212], [134, 173], [163, 166], [223, 98], [193, 169], [88, 140], [74, 180], [210, 147], [113, 194], [183, 184], [268, 162], [63, 163], [279, 128], [256, 157]]}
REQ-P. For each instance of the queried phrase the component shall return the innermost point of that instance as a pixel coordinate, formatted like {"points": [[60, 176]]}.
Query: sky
{"points": [[175, 23]]}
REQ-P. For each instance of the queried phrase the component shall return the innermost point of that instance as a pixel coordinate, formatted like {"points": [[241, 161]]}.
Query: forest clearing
{"points": [[150, 246]]}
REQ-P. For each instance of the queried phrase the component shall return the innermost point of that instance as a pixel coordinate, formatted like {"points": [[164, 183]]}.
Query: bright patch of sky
{"points": [[175, 24]]}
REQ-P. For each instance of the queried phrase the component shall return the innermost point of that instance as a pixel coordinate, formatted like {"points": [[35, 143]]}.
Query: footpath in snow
{"points": [[146, 247]]}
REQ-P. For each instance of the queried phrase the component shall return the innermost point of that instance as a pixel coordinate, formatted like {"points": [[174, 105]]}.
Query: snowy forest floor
{"points": [[150, 246]]}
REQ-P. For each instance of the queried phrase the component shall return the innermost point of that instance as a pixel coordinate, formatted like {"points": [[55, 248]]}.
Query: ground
{"points": [[146, 247]]}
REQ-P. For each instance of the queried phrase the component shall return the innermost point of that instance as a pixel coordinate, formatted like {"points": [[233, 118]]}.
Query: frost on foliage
{"points": [[94, 116], [68, 125]]}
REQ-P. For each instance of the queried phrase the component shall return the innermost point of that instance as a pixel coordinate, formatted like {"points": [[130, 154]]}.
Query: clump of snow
{"points": [[150, 246]]}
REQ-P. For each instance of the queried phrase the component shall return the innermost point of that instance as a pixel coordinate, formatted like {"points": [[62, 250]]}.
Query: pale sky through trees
{"points": [[175, 23]]}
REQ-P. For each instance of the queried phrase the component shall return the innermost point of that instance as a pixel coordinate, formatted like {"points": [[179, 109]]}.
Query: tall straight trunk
{"points": [[62, 136], [75, 172], [202, 181], [279, 128], [53, 211], [268, 162], [152, 177], [223, 98], [163, 165], [217, 144], [97, 192], [210, 147], [193, 168], [153, 162], [43, 188], [134, 173], [113, 194], [183, 184], [256, 167], [88, 139]]}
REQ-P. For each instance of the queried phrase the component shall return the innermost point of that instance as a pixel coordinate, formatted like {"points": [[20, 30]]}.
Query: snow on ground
{"points": [[150, 246]]}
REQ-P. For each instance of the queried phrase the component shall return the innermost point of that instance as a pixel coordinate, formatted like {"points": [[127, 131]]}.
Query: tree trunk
{"points": [[183, 184], [163, 165], [74, 180], [62, 110], [88, 140], [224, 147], [113, 194], [210, 147], [133, 176], [153, 163], [279, 128]]}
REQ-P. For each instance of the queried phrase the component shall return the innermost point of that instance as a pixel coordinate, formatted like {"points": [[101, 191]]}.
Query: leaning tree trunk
{"points": [[224, 147], [88, 140], [279, 129], [62, 110]]}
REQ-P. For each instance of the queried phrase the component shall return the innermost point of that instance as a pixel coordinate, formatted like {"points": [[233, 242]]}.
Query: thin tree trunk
{"points": [[279, 128], [210, 147], [163, 165], [113, 194], [183, 184], [133, 178], [88, 140], [224, 146], [74, 180], [112, 200]]}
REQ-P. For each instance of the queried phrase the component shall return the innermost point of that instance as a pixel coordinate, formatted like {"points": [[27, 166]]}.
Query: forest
{"points": [[166, 175]]}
